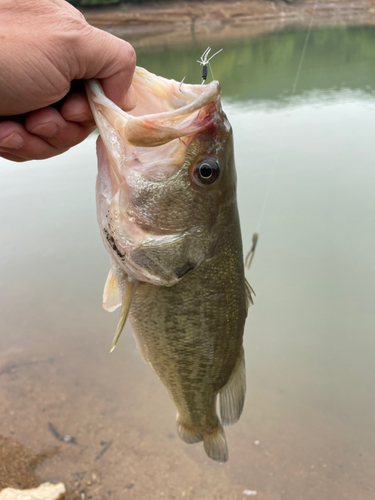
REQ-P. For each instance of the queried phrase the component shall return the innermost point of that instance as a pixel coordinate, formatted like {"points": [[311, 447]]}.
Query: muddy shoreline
{"points": [[178, 22]]}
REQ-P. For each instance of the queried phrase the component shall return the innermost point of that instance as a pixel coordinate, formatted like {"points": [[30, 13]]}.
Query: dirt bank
{"points": [[145, 23]]}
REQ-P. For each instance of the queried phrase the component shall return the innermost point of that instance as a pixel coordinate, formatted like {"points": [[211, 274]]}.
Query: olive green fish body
{"points": [[167, 211], [191, 333]]}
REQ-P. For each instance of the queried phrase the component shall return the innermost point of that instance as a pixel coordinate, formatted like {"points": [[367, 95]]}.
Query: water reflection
{"points": [[306, 177], [264, 69]]}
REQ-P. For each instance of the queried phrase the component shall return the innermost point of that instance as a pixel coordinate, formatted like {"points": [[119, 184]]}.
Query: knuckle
{"points": [[130, 56], [120, 51], [68, 29], [74, 24], [64, 40]]}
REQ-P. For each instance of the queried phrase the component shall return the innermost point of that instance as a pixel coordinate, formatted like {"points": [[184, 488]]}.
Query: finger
{"points": [[49, 125], [10, 157], [111, 60], [17, 141], [76, 108]]}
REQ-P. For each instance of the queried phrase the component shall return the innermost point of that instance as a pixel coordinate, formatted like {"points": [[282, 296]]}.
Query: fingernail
{"points": [[13, 141], [130, 99], [49, 129]]}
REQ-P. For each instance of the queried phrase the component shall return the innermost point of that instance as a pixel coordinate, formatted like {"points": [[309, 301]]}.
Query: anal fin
{"points": [[232, 395]]}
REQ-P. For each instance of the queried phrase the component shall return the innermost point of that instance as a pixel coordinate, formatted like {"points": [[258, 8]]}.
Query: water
{"points": [[306, 175]]}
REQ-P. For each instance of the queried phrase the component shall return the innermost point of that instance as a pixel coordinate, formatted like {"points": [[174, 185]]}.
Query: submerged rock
{"points": [[46, 491]]}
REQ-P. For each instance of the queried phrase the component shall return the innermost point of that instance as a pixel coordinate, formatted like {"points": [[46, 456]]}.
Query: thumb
{"points": [[111, 60]]}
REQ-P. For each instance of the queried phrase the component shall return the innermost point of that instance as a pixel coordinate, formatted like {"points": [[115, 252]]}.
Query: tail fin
{"points": [[213, 439], [187, 433], [215, 444]]}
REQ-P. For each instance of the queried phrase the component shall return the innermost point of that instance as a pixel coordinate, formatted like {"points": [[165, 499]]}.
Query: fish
{"points": [[168, 217]]}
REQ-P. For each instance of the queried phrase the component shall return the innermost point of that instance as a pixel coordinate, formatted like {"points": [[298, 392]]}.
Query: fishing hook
{"points": [[180, 86], [205, 61]]}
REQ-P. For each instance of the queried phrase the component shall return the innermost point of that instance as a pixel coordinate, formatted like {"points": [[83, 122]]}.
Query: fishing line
{"points": [[209, 65], [304, 49], [278, 149]]}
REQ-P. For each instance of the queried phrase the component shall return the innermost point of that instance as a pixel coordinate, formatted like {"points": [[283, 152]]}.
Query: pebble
{"points": [[46, 491], [249, 493]]}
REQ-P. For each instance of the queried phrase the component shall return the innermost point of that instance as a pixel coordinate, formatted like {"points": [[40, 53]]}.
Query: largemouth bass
{"points": [[167, 211]]}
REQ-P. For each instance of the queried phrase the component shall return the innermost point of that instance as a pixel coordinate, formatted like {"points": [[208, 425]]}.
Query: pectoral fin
{"points": [[111, 294], [127, 297], [232, 395]]}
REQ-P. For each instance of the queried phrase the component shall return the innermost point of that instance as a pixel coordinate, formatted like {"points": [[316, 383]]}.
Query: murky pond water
{"points": [[305, 182]]}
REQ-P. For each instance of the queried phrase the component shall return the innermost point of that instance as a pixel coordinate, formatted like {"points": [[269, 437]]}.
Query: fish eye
{"points": [[207, 171]]}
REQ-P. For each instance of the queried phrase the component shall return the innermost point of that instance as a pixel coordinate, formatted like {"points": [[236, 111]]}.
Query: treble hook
{"points": [[205, 62]]}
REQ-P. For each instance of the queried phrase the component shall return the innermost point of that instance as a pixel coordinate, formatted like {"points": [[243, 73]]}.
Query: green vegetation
{"points": [[264, 68]]}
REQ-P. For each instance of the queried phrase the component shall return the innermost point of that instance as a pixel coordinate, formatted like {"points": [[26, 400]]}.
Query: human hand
{"points": [[45, 45]]}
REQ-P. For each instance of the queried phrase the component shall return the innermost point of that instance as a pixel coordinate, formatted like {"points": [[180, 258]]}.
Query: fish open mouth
{"points": [[165, 110]]}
